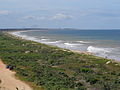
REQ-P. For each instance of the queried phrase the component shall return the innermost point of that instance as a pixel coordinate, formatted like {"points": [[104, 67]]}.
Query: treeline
{"points": [[57, 69]]}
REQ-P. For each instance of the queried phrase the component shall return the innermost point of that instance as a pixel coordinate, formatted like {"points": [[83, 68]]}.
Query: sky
{"points": [[80, 14]]}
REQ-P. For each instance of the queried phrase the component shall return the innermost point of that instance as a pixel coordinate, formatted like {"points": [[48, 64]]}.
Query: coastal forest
{"points": [[47, 67]]}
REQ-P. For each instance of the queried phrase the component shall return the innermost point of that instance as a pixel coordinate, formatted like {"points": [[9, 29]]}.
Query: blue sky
{"points": [[82, 14]]}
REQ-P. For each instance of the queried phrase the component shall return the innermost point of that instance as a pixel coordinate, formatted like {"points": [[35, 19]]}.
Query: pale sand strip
{"points": [[9, 82]]}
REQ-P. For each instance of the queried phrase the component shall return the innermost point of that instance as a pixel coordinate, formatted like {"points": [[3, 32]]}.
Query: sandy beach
{"points": [[9, 81]]}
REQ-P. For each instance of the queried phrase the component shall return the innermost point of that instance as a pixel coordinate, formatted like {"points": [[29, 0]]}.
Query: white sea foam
{"points": [[45, 39], [98, 50], [51, 42], [83, 42], [18, 34], [55, 42], [72, 44]]}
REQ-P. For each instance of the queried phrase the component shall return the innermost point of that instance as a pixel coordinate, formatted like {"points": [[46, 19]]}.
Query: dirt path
{"points": [[9, 82]]}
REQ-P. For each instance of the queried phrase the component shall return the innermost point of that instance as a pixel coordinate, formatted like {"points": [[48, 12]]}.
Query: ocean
{"points": [[102, 43]]}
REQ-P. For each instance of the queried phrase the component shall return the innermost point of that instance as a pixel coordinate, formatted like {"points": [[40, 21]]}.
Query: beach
{"points": [[99, 43]]}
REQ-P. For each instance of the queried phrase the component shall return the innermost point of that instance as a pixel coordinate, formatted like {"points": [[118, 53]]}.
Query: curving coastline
{"points": [[75, 47], [52, 67]]}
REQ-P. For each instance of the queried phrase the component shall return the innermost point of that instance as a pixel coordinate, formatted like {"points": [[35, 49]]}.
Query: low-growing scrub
{"points": [[56, 69]]}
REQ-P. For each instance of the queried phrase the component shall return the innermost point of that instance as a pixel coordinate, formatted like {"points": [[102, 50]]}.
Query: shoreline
{"points": [[16, 36], [74, 51]]}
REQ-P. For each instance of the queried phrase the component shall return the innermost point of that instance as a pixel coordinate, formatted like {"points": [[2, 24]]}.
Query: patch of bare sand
{"points": [[81, 52], [8, 80]]}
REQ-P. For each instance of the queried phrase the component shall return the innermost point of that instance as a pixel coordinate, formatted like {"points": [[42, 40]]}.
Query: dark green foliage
{"points": [[57, 69]]}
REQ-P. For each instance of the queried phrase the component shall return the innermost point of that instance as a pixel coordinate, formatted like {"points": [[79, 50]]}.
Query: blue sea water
{"points": [[103, 43]]}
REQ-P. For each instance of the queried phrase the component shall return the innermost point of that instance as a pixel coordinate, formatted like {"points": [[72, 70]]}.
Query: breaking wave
{"points": [[98, 50], [83, 42]]}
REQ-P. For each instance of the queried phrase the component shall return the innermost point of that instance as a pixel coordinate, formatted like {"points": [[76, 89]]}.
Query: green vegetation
{"points": [[57, 69]]}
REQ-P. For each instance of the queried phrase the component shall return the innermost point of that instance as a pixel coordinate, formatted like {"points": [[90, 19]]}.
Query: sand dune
{"points": [[9, 82]]}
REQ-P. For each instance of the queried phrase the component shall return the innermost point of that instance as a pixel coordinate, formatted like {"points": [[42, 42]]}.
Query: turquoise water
{"points": [[103, 43]]}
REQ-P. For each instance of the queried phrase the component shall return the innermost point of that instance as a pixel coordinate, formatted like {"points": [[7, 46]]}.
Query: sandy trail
{"points": [[9, 82]]}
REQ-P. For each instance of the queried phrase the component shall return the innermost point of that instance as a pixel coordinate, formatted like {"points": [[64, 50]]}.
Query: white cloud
{"points": [[32, 18], [28, 17], [61, 16], [41, 18], [55, 17], [4, 12]]}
